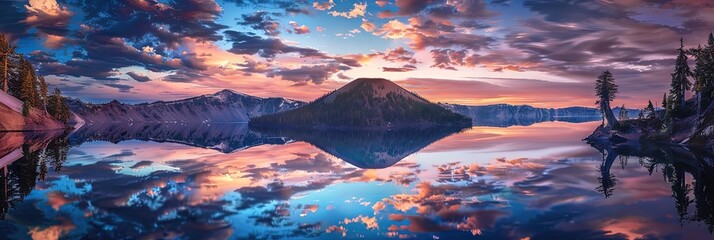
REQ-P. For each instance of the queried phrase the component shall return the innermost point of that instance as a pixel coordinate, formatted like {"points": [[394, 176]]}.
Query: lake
{"points": [[226, 181]]}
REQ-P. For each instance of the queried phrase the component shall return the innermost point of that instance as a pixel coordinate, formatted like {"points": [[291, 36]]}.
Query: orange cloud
{"points": [[299, 29], [52, 232], [357, 11], [49, 17], [367, 26], [369, 222], [322, 6], [57, 200]]}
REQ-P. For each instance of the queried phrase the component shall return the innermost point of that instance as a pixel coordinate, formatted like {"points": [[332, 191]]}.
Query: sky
{"points": [[544, 53]]}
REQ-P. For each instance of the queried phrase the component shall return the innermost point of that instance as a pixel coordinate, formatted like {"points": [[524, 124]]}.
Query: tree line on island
{"points": [[20, 80], [659, 124]]}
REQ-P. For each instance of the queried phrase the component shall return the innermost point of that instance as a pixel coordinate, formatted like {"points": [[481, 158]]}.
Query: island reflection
{"points": [[368, 149]]}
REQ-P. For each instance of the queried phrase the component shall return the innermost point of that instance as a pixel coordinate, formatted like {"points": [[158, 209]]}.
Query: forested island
{"points": [[366, 103]]}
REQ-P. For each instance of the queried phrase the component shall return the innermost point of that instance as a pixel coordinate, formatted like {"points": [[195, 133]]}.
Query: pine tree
{"points": [[704, 72], [5, 51], [605, 88], [58, 107], [53, 105], [64, 109], [22, 81], [14, 78], [650, 110], [35, 85], [680, 82], [664, 101], [623, 113], [43, 92], [27, 89]]}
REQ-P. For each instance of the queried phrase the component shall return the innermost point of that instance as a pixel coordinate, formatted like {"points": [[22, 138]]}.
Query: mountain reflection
{"points": [[675, 163], [223, 137], [368, 149]]}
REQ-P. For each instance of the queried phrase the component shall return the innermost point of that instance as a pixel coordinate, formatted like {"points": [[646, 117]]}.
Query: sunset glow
{"points": [[541, 53]]}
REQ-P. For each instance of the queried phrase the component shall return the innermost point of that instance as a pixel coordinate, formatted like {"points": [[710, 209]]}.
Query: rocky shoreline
{"points": [[688, 130]]}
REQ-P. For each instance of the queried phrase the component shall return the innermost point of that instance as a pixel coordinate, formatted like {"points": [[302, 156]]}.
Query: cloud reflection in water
{"points": [[537, 182]]}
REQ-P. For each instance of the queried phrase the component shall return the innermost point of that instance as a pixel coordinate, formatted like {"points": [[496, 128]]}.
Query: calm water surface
{"points": [[228, 182]]}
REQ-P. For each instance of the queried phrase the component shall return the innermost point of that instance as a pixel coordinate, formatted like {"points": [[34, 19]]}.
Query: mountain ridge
{"points": [[223, 106]]}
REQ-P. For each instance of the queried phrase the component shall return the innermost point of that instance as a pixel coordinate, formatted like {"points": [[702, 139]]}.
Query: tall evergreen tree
{"points": [[29, 85], [680, 81], [58, 107], [43, 92], [605, 88], [27, 89], [5, 51], [14, 78], [649, 110], [704, 71], [664, 101]]}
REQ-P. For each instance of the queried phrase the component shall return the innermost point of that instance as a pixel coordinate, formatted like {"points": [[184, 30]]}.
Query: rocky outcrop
{"points": [[703, 132], [685, 128]]}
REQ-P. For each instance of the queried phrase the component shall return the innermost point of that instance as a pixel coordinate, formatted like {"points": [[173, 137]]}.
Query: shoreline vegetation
{"points": [[678, 121], [25, 104]]}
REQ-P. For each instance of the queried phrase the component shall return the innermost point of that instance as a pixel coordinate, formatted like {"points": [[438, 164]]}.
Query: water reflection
{"points": [[224, 137], [675, 163], [537, 182], [368, 149], [487, 120], [25, 159]]}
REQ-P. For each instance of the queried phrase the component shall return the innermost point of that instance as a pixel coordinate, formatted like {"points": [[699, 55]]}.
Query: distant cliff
{"points": [[503, 115], [223, 106]]}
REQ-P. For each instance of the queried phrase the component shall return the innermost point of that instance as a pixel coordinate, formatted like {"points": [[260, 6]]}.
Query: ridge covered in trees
{"points": [[20, 80]]}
